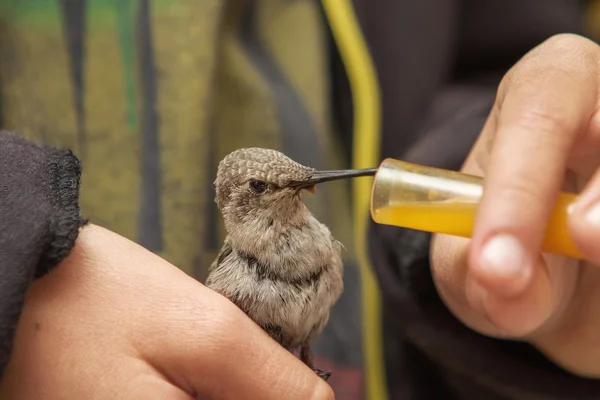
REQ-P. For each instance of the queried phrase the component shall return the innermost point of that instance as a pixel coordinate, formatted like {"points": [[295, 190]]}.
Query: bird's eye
{"points": [[258, 186]]}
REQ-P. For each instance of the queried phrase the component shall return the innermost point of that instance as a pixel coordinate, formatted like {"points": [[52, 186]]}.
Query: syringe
{"points": [[442, 201]]}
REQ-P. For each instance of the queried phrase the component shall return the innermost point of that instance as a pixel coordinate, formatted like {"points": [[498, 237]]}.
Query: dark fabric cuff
{"points": [[64, 171], [39, 221]]}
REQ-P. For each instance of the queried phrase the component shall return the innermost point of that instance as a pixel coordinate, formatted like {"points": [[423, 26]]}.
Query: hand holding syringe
{"points": [[442, 201]]}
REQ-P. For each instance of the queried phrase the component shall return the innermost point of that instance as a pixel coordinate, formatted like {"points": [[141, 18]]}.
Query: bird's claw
{"points": [[322, 374]]}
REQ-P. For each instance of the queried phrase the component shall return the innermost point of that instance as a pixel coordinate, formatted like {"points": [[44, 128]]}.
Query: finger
{"points": [[449, 270], [540, 112], [584, 220], [513, 317], [267, 371], [225, 355]]}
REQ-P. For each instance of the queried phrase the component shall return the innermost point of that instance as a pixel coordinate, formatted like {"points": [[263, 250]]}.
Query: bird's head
{"points": [[256, 183]]}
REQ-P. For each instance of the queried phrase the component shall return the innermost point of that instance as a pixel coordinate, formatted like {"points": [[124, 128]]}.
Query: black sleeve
{"points": [[429, 353], [39, 221]]}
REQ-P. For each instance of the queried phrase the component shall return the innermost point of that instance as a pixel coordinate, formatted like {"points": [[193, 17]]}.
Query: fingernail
{"points": [[504, 255]]}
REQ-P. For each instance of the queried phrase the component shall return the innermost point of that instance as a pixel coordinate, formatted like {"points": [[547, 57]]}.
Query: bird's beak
{"points": [[326, 176]]}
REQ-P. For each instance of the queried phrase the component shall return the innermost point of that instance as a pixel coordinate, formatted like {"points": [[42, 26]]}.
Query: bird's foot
{"points": [[322, 374]]}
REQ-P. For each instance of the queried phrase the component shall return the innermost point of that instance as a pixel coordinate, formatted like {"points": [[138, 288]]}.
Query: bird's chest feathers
{"points": [[290, 248], [289, 275]]}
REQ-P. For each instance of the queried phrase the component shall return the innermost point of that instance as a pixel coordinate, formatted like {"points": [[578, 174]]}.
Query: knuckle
{"points": [[523, 193], [217, 320], [567, 42], [567, 54], [577, 54], [544, 119], [561, 55], [323, 392], [222, 317]]}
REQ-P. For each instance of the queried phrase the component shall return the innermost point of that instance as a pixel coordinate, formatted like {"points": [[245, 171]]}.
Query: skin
{"points": [[542, 136], [114, 321]]}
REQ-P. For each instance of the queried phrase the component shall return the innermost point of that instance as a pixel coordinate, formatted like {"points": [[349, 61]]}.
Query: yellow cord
{"points": [[365, 95]]}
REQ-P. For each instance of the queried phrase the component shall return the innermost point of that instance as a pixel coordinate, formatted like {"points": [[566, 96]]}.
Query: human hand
{"points": [[114, 321], [542, 136]]}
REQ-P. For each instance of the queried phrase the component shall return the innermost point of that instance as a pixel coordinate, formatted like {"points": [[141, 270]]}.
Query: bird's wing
{"points": [[223, 253]]}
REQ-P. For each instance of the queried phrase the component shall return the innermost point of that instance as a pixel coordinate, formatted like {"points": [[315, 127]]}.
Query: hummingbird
{"points": [[278, 263]]}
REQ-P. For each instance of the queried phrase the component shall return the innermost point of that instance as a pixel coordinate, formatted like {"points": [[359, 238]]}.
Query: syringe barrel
{"points": [[443, 201]]}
